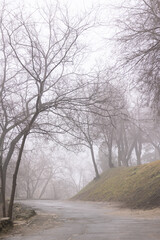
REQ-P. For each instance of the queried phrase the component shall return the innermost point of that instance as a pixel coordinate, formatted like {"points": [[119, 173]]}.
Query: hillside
{"points": [[136, 187]]}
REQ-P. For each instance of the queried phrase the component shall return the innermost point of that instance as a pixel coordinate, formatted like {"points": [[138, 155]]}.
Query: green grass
{"points": [[136, 187]]}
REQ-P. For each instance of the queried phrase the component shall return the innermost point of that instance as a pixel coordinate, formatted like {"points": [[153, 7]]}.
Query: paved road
{"points": [[92, 221]]}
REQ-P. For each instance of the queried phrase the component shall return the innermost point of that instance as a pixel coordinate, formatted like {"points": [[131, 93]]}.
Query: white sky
{"points": [[99, 49], [77, 4]]}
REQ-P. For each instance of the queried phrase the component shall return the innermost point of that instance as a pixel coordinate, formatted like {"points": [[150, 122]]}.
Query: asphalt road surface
{"points": [[91, 221]]}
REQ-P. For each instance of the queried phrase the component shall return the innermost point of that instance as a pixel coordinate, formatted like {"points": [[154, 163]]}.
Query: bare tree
{"points": [[41, 51], [115, 106], [140, 37], [106, 149], [90, 127], [84, 134]]}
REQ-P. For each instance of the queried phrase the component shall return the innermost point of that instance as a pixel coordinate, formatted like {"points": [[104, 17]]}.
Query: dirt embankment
{"points": [[135, 187]]}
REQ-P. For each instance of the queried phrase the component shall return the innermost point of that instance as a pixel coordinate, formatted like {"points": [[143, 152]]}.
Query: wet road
{"points": [[91, 221]]}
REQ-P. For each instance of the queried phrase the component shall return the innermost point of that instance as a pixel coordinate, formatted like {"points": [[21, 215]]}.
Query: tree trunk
{"points": [[55, 192], [138, 150], [3, 170], [125, 162], [44, 188], [14, 182], [36, 184], [94, 162], [129, 153], [119, 155], [28, 190], [138, 160], [3, 200], [111, 165]]}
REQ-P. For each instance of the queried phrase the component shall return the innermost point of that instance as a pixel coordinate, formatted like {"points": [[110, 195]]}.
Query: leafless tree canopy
{"points": [[140, 35], [40, 53]]}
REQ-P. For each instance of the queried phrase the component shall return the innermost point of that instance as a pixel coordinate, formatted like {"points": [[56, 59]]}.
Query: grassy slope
{"points": [[137, 187]]}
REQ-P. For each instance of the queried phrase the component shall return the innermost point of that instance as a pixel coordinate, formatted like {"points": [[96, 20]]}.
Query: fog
{"points": [[79, 94]]}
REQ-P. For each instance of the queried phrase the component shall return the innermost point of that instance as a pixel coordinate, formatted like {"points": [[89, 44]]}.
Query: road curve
{"points": [[91, 221]]}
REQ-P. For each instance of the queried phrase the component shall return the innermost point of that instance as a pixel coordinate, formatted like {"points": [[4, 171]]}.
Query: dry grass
{"points": [[136, 187]]}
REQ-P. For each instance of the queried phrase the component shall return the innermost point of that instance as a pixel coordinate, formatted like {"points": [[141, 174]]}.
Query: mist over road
{"points": [[91, 221]]}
